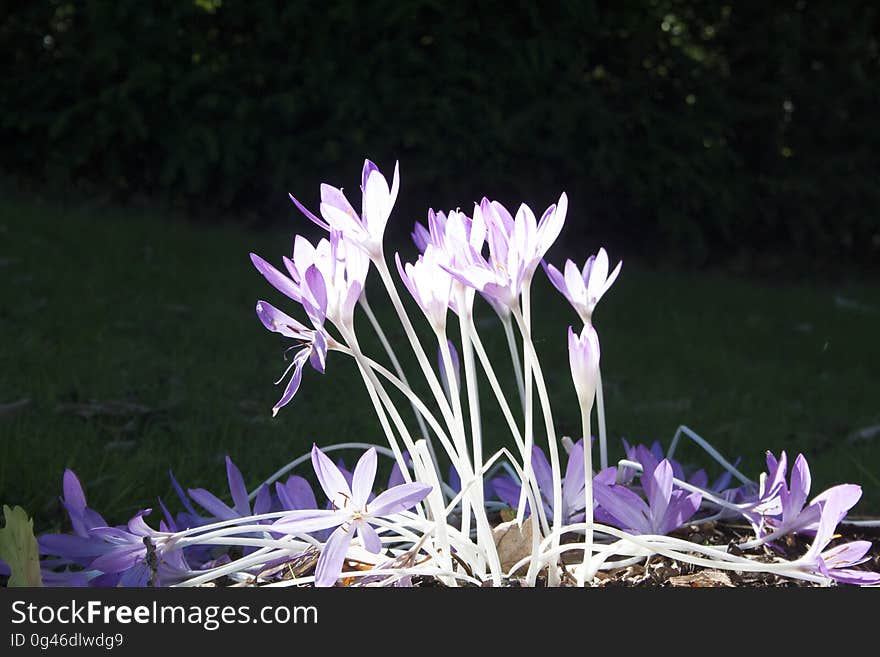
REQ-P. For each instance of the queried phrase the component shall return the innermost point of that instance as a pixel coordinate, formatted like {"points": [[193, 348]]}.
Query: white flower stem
{"points": [[459, 437], [418, 350], [515, 359], [528, 409], [386, 345], [711, 451], [532, 356], [529, 478], [600, 417], [588, 490]]}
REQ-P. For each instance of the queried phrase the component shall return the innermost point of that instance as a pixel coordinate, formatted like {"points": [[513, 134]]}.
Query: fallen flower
{"points": [[350, 513]]}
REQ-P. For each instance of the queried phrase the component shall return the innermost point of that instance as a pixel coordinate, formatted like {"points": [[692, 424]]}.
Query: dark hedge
{"points": [[709, 126]]}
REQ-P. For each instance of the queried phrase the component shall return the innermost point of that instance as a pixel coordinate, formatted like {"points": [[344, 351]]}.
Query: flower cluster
{"points": [[423, 523]]}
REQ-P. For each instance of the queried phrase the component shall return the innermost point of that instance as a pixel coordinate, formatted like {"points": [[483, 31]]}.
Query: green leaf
{"points": [[18, 548]]}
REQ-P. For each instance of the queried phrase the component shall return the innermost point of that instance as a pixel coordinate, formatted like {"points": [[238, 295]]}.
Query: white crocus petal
{"points": [[611, 279], [597, 276], [334, 196], [343, 222], [550, 229], [377, 204], [303, 254], [575, 286], [583, 352]]}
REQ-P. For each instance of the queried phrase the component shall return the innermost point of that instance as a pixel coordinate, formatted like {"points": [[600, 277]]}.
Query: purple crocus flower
{"points": [[137, 554], [781, 507], [516, 246], [430, 285], [837, 562], [666, 508], [367, 229], [584, 287], [313, 348], [583, 358], [241, 505], [508, 490], [351, 514]]}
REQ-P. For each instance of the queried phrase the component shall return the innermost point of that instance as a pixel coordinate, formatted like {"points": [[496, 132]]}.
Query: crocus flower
{"points": [[508, 490], [137, 554], [327, 279], [313, 348], [781, 507], [666, 508], [430, 285], [351, 514], [583, 358], [377, 200], [836, 562], [584, 287], [516, 246]]}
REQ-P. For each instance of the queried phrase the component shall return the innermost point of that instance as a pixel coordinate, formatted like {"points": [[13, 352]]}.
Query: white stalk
{"points": [[386, 345], [532, 356]]}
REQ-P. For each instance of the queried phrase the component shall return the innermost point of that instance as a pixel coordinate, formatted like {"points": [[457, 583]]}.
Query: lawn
{"points": [[135, 341]]}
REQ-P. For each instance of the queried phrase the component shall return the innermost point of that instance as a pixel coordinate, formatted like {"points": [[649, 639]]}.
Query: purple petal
{"points": [[279, 322], [834, 504], [555, 277], [332, 557], [363, 478], [290, 390], [335, 486], [70, 547], [798, 490], [543, 473], [318, 354], [682, 507], [397, 499], [659, 492], [323, 224], [370, 538], [628, 509], [74, 498], [316, 304], [263, 501], [573, 485], [296, 493], [181, 495], [119, 559], [507, 490], [237, 488], [212, 504], [307, 521], [276, 279]]}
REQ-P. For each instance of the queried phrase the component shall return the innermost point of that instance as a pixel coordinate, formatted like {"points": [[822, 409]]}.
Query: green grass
{"points": [[104, 304]]}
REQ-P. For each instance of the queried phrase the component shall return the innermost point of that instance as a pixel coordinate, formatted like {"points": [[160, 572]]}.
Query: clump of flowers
{"points": [[593, 516]]}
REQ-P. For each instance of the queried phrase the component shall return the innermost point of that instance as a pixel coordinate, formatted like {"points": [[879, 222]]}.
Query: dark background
{"points": [[694, 131]]}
